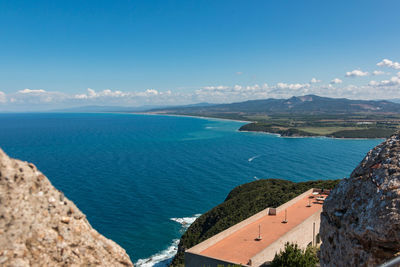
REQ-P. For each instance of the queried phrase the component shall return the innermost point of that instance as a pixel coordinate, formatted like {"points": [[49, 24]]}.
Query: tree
{"points": [[293, 256]]}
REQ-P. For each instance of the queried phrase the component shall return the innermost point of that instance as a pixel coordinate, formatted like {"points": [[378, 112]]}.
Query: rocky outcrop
{"points": [[360, 222], [39, 226]]}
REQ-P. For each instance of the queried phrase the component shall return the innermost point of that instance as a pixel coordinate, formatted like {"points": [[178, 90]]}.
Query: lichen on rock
{"points": [[39, 226], [360, 222]]}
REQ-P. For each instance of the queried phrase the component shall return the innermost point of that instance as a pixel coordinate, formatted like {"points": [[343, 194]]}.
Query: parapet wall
{"points": [[218, 237], [294, 200]]}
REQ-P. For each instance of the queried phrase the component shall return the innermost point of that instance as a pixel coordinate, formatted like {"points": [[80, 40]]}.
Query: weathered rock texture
{"points": [[360, 222], [41, 227]]}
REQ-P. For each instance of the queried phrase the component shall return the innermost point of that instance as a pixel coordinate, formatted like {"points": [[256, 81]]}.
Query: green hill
{"points": [[309, 115], [309, 104], [241, 203]]}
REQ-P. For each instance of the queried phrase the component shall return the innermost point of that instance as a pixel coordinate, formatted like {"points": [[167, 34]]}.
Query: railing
{"points": [[392, 263]]}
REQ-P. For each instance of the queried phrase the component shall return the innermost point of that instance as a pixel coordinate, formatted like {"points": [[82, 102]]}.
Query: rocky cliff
{"points": [[39, 226], [360, 222]]}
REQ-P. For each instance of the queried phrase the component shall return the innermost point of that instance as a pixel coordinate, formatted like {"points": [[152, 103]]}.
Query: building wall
{"points": [[303, 234], [196, 260]]}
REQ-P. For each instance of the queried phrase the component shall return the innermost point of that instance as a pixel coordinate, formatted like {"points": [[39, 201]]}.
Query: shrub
{"points": [[293, 256]]}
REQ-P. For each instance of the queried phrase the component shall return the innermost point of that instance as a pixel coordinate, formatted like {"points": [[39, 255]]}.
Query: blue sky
{"points": [[155, 52]]}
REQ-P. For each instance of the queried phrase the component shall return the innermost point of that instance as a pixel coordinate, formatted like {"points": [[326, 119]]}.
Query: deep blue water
{"points": [[130, 174]]}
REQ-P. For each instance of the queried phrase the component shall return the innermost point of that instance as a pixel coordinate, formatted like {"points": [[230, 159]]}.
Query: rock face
{"points": [[360, 222], [41, 227]]}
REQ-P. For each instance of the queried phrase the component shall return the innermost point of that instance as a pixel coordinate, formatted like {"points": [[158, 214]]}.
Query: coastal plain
{"points": [[308, 115]]}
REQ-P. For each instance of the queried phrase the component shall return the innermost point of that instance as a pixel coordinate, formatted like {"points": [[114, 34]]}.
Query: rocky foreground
{"points": [[360, 222], [39, 226]]}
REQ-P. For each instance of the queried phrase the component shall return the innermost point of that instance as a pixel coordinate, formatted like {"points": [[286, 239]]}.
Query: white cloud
{"points": [[336, 81], [239, 73], [47, 99], [32, 91], [223, 94], [293, 86], [146, 93], [36, 97], [117, 97], [356, 73], [82, 96], [91, 94], [389, 63], [215, 88], [3, 98], [378, 72], [394, 81]]}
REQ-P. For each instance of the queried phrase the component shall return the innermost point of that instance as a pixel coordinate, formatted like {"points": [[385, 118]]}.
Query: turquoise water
{"points": [[138, 177]]}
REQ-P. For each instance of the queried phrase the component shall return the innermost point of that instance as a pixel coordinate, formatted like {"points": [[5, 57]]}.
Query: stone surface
{"points": [[360, 222], [41, 227]]}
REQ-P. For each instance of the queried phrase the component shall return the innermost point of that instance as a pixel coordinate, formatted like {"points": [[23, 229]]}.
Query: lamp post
{"points": [[285, 220], [259, 233]]}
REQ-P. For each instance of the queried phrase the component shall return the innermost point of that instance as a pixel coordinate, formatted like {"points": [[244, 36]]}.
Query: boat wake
{"points": [[164, 257], [253, 158]]}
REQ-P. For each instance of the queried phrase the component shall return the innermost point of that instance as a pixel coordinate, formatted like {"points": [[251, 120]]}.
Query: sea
{"points": [[143, 179]]}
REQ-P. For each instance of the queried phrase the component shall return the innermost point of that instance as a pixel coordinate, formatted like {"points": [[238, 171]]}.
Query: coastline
{"points": [[314, 136], [188, 116], [243, 121]]}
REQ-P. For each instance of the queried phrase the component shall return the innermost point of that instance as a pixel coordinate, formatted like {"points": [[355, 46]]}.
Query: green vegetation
{"points": [[364, 133], [330, 126], [283, 131], [241, 203], [293, 256], [307, 116], [325, 130]]}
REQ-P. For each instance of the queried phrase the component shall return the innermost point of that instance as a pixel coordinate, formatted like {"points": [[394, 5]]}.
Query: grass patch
{"points": [[258, 117], [325, 130]]}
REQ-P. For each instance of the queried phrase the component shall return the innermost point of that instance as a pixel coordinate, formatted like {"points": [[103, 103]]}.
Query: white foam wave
{"points": [[252, 158], [164, 258], [186, 221]]}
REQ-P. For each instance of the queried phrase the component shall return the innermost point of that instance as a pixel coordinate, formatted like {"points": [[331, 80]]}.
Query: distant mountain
{"points": [[309, 104], [202, 104], [394, 100]]}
